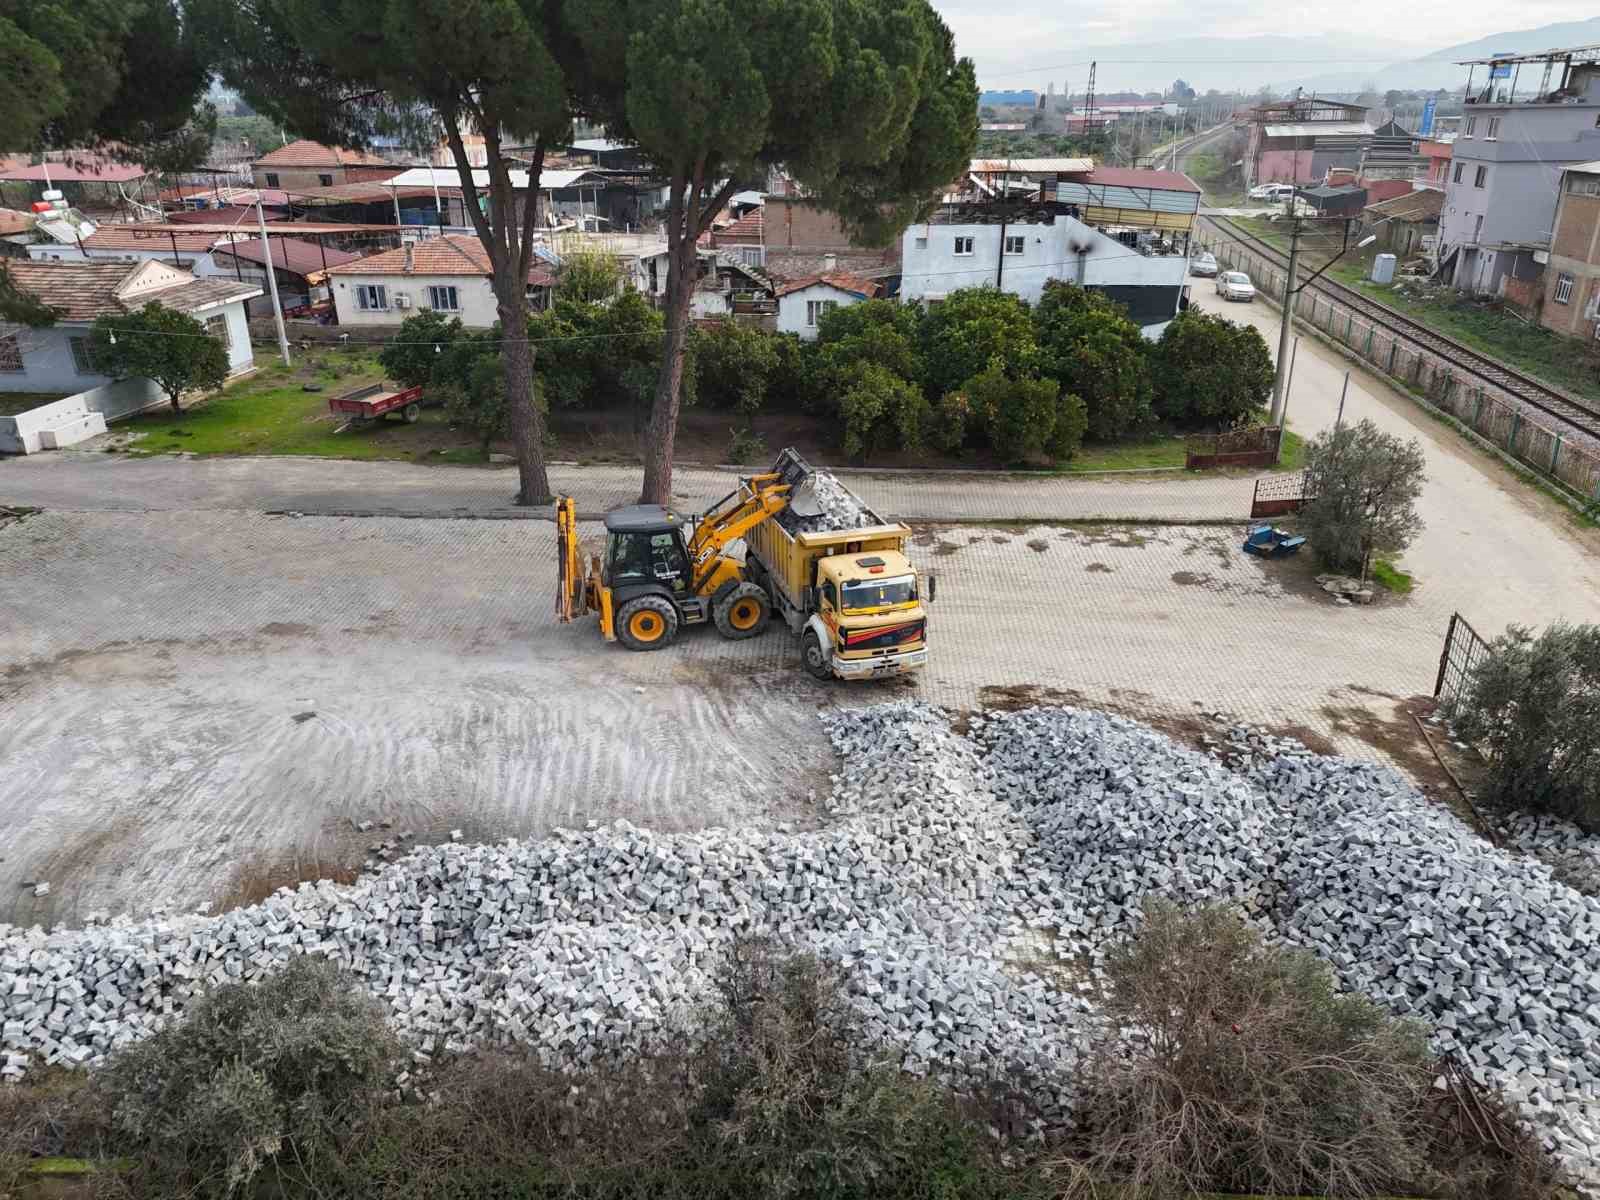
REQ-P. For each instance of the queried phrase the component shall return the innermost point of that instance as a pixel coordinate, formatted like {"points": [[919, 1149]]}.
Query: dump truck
{"points": [[850, 594]]}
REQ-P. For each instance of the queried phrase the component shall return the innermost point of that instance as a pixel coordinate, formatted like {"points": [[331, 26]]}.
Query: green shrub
{"points": [[251, 1073], [1228, 1065], [733, 363], [1365, 484], [972, 328], [881, 332], [881, 411], [747, 446], [1210, 372], [1019, 415], [952, 419], [1091, 349], [1533, 706], [415, 353]]}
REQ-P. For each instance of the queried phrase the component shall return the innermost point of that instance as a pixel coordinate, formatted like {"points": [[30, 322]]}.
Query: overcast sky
{"points": [[1007, 39]]}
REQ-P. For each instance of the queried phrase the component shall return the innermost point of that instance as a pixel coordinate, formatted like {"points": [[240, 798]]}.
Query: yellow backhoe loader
{"points": [[852, 595]]}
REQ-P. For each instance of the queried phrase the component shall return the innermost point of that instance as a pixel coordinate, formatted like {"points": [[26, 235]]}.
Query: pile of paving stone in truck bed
{"points": [[840, 509], [950, 862]]}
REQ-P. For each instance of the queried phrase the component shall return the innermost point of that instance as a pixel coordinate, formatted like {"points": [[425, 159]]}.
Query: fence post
{"points": [[1371, 329], [1555, 454], [1449, 386], [1444, 655], [1477, 409], [1394, 350], [1516, 424], [1349, 327]]}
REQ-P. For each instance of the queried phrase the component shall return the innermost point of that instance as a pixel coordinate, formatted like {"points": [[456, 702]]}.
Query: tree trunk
{"points": [[662, 433], [516, 362]]}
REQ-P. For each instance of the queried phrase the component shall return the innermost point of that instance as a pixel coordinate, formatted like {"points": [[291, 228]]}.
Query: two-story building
{"points": [[1299, 139], [306, 166], [1506, 165], [1120, 231], [1572, 276]]}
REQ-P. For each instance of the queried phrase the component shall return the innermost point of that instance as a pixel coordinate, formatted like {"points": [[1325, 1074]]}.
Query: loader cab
{"points": [[645, 550]]}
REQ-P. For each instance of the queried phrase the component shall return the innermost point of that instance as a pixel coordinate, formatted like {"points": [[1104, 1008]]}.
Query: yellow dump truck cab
{"points": [[869, 618], [654, 579]]}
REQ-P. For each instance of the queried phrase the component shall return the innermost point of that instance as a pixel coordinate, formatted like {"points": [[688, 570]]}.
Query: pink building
{"points": [[1299, 140]]}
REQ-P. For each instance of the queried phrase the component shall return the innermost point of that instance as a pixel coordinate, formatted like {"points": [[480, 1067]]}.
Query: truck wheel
{"points": [[816, 660], [412, 413], [744, 612], [648, 623]]}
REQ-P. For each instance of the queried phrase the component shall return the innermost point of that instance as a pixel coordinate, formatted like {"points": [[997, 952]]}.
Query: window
{"points": [[272, 180], [1016, 245], [371, 296], [817, 309], [1493, 132], [920, 243], [217, 327], [830, 594], [1584, 185], [83, 356], [1477, 228], [1460, 167], [1481, 177], [1472, 125], [1563, 293], [325, 180], [862, 594], [10, 353], [963, 245], [444, 299]]}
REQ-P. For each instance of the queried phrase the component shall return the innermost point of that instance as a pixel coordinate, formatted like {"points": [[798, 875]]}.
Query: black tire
{"points": [[648, 623], [743, 612], [412, 413], [756, 574], [814, 657]]}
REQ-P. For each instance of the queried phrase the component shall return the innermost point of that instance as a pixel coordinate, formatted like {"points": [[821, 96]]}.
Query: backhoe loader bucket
{"points": [[571, 595], [797, 473]]}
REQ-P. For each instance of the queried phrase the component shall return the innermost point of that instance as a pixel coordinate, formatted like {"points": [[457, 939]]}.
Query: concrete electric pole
{"points": [[1275, 417], [272, 283]]}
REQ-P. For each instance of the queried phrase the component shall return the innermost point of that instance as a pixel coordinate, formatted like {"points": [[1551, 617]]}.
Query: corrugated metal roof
{"points": [[1320, 129], [306, 153], [998, 166], [1588, 168]]}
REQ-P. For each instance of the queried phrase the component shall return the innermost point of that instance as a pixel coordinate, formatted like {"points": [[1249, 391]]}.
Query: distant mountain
{"points": [[1439, 70], [1202, 62]]}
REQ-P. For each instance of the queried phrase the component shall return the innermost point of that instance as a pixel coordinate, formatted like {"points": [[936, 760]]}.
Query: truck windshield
{"points": [[862, 594]]}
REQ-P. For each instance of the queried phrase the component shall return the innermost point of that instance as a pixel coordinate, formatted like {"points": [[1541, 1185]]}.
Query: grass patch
{"points": [[1127, 456], [12, 403], [1292, 454], [1492, 331], [272, 413], [1391, 577]]}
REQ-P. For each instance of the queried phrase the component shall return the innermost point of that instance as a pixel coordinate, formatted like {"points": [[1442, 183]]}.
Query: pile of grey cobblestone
{"points": [[840, 510], [957, 878]]}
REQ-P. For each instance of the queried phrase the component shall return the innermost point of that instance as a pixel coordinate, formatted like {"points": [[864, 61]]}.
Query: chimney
{"points": [[409, 244], [830, 262]]}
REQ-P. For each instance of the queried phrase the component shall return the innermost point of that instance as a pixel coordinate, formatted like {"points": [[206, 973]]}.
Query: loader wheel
{"points": [[412, 413], [818, 665], [648, 623], [743, 613]]}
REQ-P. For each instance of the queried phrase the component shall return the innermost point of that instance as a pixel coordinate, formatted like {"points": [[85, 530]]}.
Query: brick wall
{"points": [[1575, 226]]}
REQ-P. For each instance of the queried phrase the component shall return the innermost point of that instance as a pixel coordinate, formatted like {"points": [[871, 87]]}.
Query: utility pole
{"points": [[272, 284], [1275, 417]]}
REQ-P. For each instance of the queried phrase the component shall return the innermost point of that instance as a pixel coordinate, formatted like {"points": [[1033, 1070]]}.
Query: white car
{"points": [[1272, 192], [1235, 285], [1203, 264]]}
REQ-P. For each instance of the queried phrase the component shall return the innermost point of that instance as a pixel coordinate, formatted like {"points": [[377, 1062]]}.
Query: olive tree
{"points": [[1533, 705], [1364, 484], [169, 348], [344, 71], [863, 102]]}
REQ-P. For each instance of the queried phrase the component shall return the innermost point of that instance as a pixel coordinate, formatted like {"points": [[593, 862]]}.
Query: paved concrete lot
{"points": [[152, 667]]}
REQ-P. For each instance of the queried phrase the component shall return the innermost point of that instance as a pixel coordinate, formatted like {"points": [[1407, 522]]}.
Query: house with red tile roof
{"points": [[449, 274], [309, 166], [803, 302], [59, 358]]}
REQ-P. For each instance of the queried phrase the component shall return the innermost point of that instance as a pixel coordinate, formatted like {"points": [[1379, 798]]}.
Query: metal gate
{"points": [[1275, 495], [1463, 650]]}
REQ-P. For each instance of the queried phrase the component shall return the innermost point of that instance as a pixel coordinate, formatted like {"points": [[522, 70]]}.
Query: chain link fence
{"points": [[1524, 433]]}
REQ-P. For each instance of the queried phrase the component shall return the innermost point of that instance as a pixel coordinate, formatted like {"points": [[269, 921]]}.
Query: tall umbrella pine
{"points": [[346, 71], [862, 102]]}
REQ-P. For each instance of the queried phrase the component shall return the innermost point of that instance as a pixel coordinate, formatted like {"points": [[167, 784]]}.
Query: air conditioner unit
{"points": [[402, 301]]}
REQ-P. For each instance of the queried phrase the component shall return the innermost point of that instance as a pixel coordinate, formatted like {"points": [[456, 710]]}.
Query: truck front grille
{"points": [[886, 637]]}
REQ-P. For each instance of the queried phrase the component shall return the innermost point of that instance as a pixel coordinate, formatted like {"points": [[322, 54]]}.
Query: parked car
{"points": [[1272, 192], [1235, 285], [1203, 264]]}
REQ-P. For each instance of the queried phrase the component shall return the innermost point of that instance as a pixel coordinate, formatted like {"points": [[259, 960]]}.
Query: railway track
{"points": [[1564, 408]]}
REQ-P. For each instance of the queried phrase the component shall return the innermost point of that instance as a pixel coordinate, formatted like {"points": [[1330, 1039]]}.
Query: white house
{"points": [[59, 358], [449, 274], [803, 302], [1123, 232]]}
